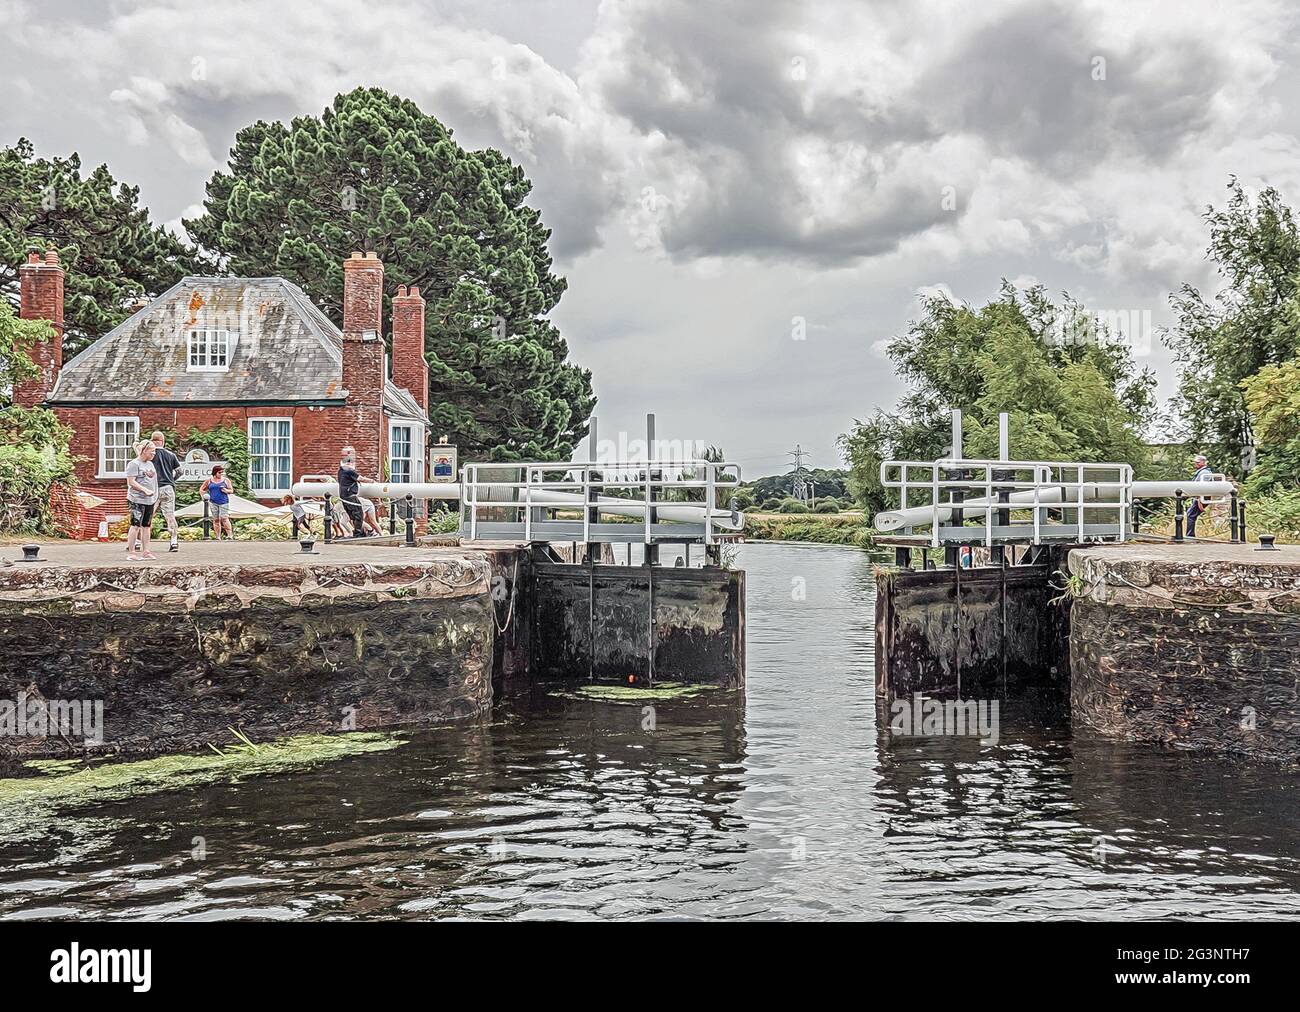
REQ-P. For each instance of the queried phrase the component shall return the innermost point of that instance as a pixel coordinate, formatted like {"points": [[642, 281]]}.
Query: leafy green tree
{"points": [[1272, 396], [112, 253], [1249, 324], [16, 336], [374, 172], [1070, 392], [34, 453]]}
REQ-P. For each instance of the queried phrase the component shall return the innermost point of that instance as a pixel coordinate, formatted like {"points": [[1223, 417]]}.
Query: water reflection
{"points": [[791, 802]]}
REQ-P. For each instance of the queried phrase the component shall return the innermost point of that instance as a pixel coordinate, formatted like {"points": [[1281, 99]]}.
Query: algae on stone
{"points": [[661, 692], [26, 802]]}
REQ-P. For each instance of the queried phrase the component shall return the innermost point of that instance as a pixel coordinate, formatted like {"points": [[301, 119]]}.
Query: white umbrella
{"points": [[240, 509]]}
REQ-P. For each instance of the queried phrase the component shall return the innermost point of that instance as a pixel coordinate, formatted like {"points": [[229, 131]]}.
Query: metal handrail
{"points": [[1117, 479], [579, 479]]}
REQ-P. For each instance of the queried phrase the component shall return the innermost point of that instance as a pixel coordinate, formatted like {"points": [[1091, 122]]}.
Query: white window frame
{"points": [[208, 351], [417, 448], [104, 472], [267, 493]]}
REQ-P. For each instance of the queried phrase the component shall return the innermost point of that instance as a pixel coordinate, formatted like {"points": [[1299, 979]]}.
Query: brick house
{"points": [[255, 353]]}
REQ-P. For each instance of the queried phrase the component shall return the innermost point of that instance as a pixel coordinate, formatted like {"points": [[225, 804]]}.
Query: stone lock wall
{"points": [[178, 655], [1196, 647]]}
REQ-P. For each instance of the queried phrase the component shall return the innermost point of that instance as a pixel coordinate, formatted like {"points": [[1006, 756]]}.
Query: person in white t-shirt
{"points": [[142, 500]]}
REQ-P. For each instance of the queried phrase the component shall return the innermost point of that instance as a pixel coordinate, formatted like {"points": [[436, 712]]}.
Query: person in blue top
{"points": [[217, 491], [1203, 473]]}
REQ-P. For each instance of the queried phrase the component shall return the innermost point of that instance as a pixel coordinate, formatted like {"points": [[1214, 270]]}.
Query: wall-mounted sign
{"points": [[197, 465], [442, 462]]}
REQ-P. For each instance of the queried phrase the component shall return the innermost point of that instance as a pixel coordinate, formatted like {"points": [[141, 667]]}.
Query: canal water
{"points": [[790, 804]]}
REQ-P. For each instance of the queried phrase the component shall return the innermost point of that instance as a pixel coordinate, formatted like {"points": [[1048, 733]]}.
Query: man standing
{"points": [[1201, 467], [350, 491], [168, 466]]}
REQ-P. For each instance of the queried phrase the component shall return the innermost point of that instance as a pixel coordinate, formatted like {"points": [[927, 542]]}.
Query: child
{"points": [[369, 515], [301, 520], [218, 490], [142, 499]]}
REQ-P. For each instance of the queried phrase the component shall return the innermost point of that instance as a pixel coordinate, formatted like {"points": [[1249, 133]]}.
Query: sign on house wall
{"points": [[442, 462], [197, 465]]}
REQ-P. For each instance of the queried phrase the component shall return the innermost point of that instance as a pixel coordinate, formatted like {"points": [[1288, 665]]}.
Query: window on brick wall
{"points": [[270, 456], [209, 350], [405, 452], [117, 436]]}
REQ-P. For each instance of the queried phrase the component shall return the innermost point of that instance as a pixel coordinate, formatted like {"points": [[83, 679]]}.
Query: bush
{"points": [[827, 506], [793, 506], [34, 458]]}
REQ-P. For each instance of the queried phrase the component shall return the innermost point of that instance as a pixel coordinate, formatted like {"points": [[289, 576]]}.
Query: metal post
{"points": [[1244, 536], [392, 516], [410, 522], [1004, 437], [207, 520], [1232, 523], [652, 515], [1178, 515], [329, 519]]}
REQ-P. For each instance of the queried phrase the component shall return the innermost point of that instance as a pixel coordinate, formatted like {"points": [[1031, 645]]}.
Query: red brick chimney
{"points": [[363, 359], [410, 370], [41, 298]]}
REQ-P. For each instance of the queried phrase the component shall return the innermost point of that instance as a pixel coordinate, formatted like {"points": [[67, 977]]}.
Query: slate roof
{"points": [[287, 351]]}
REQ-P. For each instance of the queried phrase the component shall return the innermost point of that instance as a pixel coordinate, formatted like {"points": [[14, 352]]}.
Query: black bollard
{"points": [[1233, 525], [1178, 515], [410, 522], [1244, 536], [392, 516], [329, 520], [1266, 544], [207, 520]]}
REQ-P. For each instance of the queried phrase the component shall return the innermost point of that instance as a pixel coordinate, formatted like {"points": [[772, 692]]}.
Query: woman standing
{"points": [[142, 499], [218, 490]]}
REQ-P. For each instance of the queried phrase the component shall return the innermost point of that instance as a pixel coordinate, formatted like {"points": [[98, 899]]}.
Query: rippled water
{"points": [[785, 804]]}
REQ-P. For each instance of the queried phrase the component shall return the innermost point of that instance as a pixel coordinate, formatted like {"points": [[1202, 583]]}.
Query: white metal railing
{"points": [[674, 500], [990, 487]]}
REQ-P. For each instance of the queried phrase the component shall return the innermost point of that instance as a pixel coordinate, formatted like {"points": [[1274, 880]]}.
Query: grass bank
{"points": [[816, 528]]}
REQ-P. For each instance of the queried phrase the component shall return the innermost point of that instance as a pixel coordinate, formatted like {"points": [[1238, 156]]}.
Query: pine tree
{"points": [[111, 251], [374, 172]]}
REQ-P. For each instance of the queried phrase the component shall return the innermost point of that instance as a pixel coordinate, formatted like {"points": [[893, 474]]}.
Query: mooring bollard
{"points": [[410, 522], [1232, 525], [1178, 515], [1266, 544], [31, 553], [207, 519], [329, 520]]}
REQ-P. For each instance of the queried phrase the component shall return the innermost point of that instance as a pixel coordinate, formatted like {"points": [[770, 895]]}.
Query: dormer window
{"points": [[209, 350]]}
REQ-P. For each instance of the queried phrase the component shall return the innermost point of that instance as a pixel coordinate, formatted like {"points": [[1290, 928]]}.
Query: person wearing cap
{"points": [[1201, 466]]}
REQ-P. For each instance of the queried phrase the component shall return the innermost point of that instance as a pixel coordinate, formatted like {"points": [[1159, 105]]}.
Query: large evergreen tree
{"points": [[112, 253], [1071, 393], [374, 172]]}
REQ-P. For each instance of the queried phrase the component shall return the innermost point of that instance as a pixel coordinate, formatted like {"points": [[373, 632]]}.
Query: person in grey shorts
{"points": [[168, 466], [217, 490]]}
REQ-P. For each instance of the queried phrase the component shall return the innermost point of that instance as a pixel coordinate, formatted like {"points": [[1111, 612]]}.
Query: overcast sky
{"points": [[724, 176]]}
